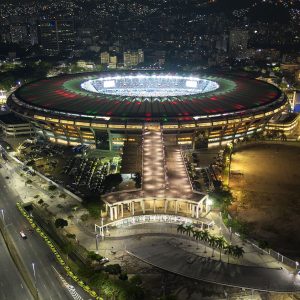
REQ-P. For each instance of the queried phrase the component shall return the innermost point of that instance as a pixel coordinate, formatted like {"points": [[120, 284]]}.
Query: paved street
{"points": [[12, 285], [32, 250]]}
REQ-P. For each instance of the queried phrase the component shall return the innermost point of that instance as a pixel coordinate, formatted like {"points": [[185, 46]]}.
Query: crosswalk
{"points": [[71, 289]]}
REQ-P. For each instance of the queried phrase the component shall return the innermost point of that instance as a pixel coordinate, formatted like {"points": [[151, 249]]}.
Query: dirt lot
{"points": [[267, 191]]}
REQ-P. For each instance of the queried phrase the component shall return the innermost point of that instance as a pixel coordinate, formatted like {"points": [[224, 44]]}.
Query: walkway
{"points": [[166, 255]]}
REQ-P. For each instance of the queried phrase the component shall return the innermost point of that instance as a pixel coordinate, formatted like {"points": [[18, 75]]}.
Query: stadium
{"points": [[108, 109]]}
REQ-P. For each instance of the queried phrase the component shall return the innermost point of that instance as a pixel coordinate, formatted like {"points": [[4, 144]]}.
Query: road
{"points": [[33, 249], [12, 285]]}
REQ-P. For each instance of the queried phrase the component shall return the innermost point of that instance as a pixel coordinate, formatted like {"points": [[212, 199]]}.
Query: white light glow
{"points": [[109, 83], [191, 84], [149, 85]]}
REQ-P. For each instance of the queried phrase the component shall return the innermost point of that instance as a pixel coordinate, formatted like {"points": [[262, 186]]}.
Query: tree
{"points": [[221, 244], [189, 229], [238, 252], [52, 187], [180, 228], [205, 238], [197, 235], [94, 256], [136, 280], [112, 180], [60, 223], [213, 243], [94, 208], [229, 251], [123, 276], [114, 269]]}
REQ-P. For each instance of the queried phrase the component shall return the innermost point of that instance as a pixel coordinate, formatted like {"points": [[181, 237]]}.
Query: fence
{"points": [[279, 257]]}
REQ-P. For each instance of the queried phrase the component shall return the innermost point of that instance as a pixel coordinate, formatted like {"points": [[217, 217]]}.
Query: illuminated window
{"points": [[83, 124], [39, 117]]}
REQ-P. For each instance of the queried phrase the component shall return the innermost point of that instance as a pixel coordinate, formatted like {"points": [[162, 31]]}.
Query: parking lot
{"points": [[76, 171]]}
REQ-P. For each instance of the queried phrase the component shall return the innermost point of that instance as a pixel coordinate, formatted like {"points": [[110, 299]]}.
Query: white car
{"points": [[23, 235], [104, 260]]}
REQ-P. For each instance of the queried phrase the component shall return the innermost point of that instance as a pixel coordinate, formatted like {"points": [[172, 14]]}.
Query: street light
{"points": [[209, 202], [97, 249], [33, 268], [2, 212]]}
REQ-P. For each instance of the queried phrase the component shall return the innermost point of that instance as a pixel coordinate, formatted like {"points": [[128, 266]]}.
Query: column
{"points": [[176, 207], [122, 210], [197, 211], [154, 205], [116, 211], [166, 205], [132, 203], [111, 213], [143, 205]]}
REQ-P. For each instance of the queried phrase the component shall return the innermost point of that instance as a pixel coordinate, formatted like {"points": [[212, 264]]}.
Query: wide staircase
{"points": [[179, 185], [154, 172]]}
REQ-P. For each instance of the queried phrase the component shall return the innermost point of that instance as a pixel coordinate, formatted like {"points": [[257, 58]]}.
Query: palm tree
{"points": [[238, 252], [221, 244], [229, 251], [212, 242], [180, 228], [205, 237], [197, 236], [189, 229]]}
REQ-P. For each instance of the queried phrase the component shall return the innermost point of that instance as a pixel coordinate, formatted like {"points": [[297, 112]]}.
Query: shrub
{"points": [[60, 223], [94, 256], [123, 276], [114, 269], [28, 181], [84, 217], [136, 280], [71, 236], [52, 187]]}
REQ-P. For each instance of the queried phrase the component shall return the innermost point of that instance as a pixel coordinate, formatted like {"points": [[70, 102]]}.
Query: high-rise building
{"points": [[141, 55], [18, 33], [238, 41], [104, 57], [127, 59], [57, 36], [133, 58], [113, 60]]}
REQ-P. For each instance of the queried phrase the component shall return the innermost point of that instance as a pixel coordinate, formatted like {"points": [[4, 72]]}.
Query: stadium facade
{"points": [[107, 109]]}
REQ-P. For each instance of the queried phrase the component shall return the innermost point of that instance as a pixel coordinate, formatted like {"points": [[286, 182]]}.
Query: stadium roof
{"points": [[65, 94]]}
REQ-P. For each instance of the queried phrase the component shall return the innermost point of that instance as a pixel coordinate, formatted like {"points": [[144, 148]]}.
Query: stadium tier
{"points": [[107, 109]]}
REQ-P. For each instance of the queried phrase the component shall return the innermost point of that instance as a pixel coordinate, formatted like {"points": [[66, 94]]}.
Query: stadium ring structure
{"points": [[107, 109]]}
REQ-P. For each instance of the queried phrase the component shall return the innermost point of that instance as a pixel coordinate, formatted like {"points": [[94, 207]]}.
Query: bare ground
{"points": [[267, 195]]}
